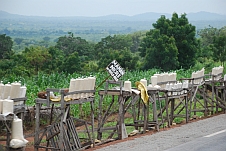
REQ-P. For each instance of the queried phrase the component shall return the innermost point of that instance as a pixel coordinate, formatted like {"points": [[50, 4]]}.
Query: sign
{"points": [[115, 70]]}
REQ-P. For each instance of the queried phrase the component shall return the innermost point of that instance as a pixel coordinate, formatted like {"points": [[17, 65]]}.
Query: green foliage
{"points": [[116, 48], [18, 40], [157, 49], [213, 45], [70, 44], [91, 66], [6, 44], [219, 48], [37, 58], [172, 44], [72, 63], [161, 51], [116, 42], [187, 44], [56, 59]]}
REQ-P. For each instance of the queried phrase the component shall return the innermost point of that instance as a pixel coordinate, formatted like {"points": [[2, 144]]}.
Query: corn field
{"points": [[42, 81]]}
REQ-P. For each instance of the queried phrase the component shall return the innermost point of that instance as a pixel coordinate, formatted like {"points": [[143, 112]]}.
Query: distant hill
{"points": [[94, 28], [150, 16], [205, 16]]}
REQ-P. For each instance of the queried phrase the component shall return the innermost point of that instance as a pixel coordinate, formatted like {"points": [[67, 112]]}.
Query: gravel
{"points": [[173, 137]]}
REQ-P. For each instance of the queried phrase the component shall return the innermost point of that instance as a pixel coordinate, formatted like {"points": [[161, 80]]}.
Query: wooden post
{"points": [[122, 130], [167, 109], [62, 107], [172, 110], [92, 121], [155, 114], [146, 114], [186, 108], [99, 134], [37, 123]]}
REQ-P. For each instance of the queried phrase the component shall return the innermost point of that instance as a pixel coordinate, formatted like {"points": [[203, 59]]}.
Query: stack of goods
{"points": [[161, 80], [82, 84], [168, 81], [200, 75], [217, 72], [8, 92]]}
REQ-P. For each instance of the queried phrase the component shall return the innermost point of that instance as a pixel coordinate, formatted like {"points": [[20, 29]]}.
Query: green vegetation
{"points": [[170, 46]]}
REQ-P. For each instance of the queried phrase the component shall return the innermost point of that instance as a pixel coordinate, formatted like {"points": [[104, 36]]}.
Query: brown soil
{"points": [[30, 146]]}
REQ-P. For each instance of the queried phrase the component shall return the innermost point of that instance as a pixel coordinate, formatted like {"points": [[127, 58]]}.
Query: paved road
{"points": [[212, 142], [204, 135]]}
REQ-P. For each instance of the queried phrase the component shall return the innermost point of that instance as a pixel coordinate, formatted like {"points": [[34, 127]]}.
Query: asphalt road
{"points": [[212, 142], [203, 135]]}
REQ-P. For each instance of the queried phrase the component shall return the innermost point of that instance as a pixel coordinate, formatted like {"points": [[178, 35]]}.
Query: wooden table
{"points": [[60, 136], [123, 97]]}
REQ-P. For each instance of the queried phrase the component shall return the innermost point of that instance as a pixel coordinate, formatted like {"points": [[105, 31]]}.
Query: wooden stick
{"points": [[102, 82]]}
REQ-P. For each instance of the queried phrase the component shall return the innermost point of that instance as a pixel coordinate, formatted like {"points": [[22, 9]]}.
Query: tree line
{"points": [[172, 44]]}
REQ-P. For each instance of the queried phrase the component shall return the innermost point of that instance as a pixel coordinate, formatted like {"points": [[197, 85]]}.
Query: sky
{"points": [[94, 8]]}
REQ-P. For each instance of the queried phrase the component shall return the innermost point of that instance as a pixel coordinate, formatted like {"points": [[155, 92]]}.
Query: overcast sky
{"points": [[106, 7]]}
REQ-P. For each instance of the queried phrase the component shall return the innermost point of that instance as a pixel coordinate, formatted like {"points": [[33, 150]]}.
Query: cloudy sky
{"points": [[106, 7]]}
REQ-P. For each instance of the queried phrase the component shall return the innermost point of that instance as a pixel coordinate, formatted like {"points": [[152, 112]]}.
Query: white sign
{"points": [[115, 70]]}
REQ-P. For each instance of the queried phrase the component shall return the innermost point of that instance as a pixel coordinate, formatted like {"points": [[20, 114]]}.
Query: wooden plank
{"points": [[75, 137], [37, 123], [92, 120], [99, 133]]}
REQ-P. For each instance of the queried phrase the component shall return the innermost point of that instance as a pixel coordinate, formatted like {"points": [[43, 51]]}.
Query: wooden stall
{"points": [[205, 94], [154, 122], [124, 100], [62, 134], [169, 104], [216, 85]]}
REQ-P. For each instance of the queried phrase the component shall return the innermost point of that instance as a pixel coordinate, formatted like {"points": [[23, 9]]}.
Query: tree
{"points": [[136, 40], [207, 36], [72, 63], [116, 47], [125, 58], [161, 51], [171, 42], [70, 44], [212, 41], [116, 42], [6, 44], [219, 47], [186, 42], [56, 59], [36, 58]]}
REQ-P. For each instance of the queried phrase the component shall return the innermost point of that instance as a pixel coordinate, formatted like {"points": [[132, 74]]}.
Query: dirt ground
{"points": [[30, 144]]}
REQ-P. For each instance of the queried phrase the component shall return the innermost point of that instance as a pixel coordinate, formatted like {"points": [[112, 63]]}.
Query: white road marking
{"points": [[215, 133]]}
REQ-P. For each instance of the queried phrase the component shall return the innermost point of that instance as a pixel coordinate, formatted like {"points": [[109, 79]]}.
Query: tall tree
{"points": [[37, 59], [56, 59], [219, 46], [70, 44], [178, 31], [186, 42], [212, 41], [160, 51], [72, 63], [116, 47], [6, 44], [124, 57], [116, 42]]}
